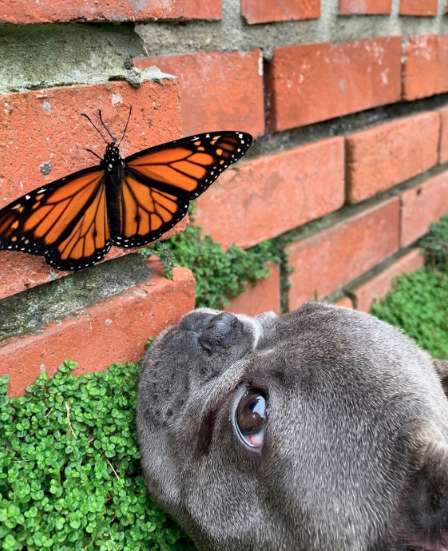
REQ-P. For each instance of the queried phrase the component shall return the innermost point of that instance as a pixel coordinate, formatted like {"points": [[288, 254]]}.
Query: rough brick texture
{"points": [[383, 156], [266, 11], [365, 7], [443, 158], [111, 331], [425, 63], [44, 129], [326, 261], [262, 296], [378, 286], [230, 85], [265, 197], [418, 7], [421, 206], [58, 11], [314, 82]]}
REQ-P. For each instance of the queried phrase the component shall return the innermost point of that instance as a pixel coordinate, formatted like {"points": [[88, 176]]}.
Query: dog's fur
{"points": [[355, 453]]}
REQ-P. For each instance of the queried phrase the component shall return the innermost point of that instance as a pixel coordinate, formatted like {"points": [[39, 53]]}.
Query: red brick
{"points": [[46, 126], [230, 84], [265, 197], [421, 206], [21, 271], [326, 261], [383, 156], [262, 296], [424, 68], [51, 11], [344, 301], [418, 7], [114, 330], [378, 286], [443, 135], [267, 11], [315, 82], [365, 7]]}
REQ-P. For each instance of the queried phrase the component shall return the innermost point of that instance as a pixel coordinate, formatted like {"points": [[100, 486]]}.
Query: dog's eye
{"points": [[249, 417]]}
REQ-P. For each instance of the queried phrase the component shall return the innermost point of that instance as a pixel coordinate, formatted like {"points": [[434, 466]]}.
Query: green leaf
{"points": [[58, 485], [220, 274]]}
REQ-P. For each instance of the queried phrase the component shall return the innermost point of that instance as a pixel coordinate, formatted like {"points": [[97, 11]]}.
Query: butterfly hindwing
{"points": [[89, 238], [59, 221], [146, 212], [159, 182]]}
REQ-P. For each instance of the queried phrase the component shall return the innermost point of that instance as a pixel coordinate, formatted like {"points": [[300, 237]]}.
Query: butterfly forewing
{"points": [[59, 221], [160, 182]]}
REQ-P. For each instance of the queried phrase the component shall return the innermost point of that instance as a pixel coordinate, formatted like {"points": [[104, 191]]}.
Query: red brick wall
{"points": [[57, 11], [348, 172]]}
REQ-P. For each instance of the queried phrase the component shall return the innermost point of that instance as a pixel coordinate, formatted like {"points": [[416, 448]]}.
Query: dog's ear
{"points": [[426, 524], [441, 366]]}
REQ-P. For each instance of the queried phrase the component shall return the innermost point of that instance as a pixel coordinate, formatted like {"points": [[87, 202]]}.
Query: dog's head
{"points": [[323, 429]]}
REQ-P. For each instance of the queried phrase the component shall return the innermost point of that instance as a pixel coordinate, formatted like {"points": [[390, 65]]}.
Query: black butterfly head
{"points": [[112, 157]]}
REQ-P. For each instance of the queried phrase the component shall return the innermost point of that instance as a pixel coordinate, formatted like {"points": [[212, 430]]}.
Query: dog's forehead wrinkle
{"points": [[211, 394]]}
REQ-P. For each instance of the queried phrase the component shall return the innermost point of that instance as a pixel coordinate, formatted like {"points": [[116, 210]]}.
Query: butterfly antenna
{"points": [[126, 126], [93, 153], [104, 126], [94, 126]]}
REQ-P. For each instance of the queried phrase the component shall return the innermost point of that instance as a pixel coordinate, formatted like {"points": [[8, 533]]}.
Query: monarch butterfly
{"points": [[74, 221]]}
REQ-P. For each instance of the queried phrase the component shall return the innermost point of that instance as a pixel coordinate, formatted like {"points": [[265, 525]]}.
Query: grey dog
{"points": [[320, 430]]}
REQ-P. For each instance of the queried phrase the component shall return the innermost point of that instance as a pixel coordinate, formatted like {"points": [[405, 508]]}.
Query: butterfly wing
{"points": [[160, 182], [65, 221]]}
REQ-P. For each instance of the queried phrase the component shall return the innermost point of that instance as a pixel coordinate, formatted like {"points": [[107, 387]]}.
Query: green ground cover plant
{"points": [[220, 274], [69, 468], [418, 303], [435, 245]]}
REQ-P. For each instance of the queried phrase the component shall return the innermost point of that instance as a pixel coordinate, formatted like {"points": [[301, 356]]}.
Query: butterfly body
{"points": [[127, 202], [114, 168]]}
